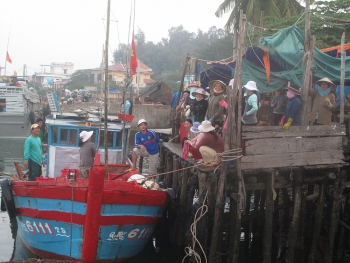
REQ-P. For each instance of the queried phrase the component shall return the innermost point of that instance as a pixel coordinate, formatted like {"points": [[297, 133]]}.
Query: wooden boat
{"points": [[89, 220]]}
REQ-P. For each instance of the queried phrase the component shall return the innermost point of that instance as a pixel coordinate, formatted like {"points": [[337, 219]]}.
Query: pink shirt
{"points": [[207, 139]]}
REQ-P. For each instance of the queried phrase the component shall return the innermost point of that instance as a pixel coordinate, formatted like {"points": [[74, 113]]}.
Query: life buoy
{"points": [[7, 198]]}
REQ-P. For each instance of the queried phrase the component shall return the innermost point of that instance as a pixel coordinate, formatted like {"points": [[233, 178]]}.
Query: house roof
{"points": [[118, 66]]}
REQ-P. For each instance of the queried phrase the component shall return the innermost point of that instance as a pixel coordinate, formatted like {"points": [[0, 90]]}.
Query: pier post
{"points": [[169, 168], [269, 217], [337, 195], [318, 221], [294, 226], [176, 166], [183, 205]]}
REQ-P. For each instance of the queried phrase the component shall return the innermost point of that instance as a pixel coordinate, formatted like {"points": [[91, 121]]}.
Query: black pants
{"points": [[34, 170]]}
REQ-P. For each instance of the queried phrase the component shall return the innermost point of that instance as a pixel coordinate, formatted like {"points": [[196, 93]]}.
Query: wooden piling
{"points": [[337, 195], [269, 217], [169, 169], [176, 166], [294, 225], [318, 221], [182, 205]]}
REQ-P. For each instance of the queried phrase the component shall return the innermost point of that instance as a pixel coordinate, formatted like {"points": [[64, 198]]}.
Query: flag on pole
{"points": [[133, 59], [8, 59], [15, 73]]}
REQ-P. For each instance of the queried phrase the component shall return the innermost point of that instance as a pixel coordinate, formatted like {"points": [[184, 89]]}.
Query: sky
{"points": [[41, 32]]}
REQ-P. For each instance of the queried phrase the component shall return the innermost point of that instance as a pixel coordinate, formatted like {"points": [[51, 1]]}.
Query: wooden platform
{"points": [[312, 147]]}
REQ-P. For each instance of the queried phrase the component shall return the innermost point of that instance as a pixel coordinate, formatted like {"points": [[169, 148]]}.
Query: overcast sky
{"points": [[46, 31]]}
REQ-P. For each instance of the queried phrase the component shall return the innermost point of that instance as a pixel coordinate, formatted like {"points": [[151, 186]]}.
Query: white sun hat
{"points": [[85, 135], [141, 121], [206, 126], [251, 85]]}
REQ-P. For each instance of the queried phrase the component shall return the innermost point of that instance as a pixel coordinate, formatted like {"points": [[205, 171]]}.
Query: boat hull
{"points": [[14, 125], [64, 219]]}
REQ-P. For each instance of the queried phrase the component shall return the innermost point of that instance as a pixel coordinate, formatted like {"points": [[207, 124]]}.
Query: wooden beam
{"points": [[269, 217]]}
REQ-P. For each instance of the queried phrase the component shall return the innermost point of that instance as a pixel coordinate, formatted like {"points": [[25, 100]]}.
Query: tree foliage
{"points": [[79, 79]]}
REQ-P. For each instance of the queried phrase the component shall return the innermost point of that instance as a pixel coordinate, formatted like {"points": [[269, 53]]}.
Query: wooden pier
{"points": [[291, 203]]}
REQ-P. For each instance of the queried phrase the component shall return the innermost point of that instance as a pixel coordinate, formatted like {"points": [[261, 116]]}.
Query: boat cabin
{"points": [[63, 143]]}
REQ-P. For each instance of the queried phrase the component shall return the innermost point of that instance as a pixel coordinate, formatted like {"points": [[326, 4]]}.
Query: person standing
{"points": [[33, 153], [146, 145], [279, 104], [216, 113], [87, 153], [292, 114], [200, 105], [324, 102], [251, 106]]}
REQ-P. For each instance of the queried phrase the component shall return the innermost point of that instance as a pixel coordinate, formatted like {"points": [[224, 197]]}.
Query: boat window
{"points": [[110, 139], [64, 140], [73, 137], [54, 134], [2, 105], [119, 139]]}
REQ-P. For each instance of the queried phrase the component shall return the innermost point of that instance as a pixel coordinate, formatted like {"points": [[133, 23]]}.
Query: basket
{"points": [[125, 117]]}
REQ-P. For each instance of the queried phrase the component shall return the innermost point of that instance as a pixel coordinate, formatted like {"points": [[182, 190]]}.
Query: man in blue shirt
{"points": [[146, 145]]}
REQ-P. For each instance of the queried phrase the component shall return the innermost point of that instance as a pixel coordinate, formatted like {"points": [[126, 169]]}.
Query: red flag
{"points": [[133, 59], [8, 57]]}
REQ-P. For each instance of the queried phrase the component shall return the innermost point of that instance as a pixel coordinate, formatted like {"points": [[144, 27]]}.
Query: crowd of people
{"points": [[204, 123]]}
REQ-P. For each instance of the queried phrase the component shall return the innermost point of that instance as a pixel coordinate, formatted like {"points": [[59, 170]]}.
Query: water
{"points": [[11, 150]]}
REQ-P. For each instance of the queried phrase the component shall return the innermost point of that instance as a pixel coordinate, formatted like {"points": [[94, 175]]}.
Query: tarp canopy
{"points": [[279, 60]]}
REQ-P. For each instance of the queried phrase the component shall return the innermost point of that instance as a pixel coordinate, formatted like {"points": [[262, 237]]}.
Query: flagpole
{"points": [[7, 48]]}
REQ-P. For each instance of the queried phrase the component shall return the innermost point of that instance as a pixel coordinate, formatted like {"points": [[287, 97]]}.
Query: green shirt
{"points": [[33, 150]]}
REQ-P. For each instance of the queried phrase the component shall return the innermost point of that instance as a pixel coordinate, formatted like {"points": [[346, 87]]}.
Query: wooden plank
{"points": [[251, 162], [256, 132], [292, 145]]}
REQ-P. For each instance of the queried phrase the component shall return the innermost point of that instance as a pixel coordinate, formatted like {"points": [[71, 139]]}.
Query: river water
{"points": [[11, 150]]}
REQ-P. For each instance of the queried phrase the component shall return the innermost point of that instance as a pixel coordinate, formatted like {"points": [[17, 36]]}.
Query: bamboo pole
{"points": [[236, 203], [308, 57], [342, 78], [269, 217], [106, 89], [177, 115]]}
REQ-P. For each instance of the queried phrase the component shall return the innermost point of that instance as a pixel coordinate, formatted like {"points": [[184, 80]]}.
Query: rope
{"points": [[191, 251]]}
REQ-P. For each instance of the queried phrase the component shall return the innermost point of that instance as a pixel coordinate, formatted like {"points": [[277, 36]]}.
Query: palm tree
{"points": [[253, 8]]}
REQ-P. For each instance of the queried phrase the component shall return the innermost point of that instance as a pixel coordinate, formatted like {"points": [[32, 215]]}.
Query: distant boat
{"points": [[17, 107]]}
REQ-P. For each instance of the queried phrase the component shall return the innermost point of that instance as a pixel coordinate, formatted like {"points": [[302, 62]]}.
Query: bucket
{"points": [[125, 117]]}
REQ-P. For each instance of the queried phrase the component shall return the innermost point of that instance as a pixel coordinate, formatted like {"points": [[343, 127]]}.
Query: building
{"points": [[117, 72], [59, 73]]}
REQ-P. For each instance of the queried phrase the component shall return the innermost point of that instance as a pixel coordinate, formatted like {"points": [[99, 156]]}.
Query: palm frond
{"points": [[225, 7]]}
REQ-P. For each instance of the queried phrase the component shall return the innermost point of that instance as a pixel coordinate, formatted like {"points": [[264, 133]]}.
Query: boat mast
{"points": [[106, 88]]}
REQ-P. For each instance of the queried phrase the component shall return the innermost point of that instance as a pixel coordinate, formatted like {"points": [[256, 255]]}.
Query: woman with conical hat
{"points": [[324, 102], [216, 113]]}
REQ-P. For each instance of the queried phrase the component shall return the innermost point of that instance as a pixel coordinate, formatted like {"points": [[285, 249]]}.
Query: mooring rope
{"points": [[193, 228]]}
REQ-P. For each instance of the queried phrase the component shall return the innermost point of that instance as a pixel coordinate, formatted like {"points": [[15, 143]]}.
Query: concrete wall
{"points": [[157, 116]]}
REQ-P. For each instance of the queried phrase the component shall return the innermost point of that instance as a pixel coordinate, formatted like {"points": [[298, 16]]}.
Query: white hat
{"points": [[141, 121], [195, 126], [206, 126], [85, 135], [232, 82], [251, 85], [200, 91]]}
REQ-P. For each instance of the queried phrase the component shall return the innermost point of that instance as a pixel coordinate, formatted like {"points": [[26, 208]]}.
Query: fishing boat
{"points": [[17, 107], [108, 217]]}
